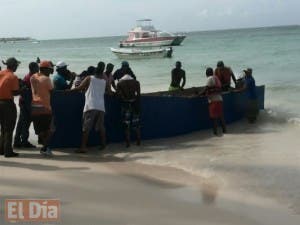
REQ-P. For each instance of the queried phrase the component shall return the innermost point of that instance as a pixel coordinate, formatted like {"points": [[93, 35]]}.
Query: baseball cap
{"points": [[248, 71], [61, 64], [46, 64], [11, 62]]}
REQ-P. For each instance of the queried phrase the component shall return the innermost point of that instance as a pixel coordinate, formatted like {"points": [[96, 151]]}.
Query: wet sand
{"points": [[193, 179]]}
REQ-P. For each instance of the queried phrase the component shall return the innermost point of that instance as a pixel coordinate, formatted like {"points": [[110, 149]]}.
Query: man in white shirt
{"points": [[94, 108], [213, 92]]}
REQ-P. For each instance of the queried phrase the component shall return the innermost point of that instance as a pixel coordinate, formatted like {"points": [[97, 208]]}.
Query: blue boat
{"points": [[163, 115]]}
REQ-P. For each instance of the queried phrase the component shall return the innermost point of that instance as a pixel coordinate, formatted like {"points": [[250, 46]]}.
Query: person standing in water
{"points": [[224, 74], [213, 91], [252, 104], [178, 75]]}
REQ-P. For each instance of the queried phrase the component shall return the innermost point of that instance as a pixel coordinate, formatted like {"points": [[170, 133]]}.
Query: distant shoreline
{"points": [[15, 39], [186, 32]]}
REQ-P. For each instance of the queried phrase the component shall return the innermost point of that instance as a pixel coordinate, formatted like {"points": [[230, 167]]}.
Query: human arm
{"points": [[72, 77], [184, 80], [233, 76], [107, 88], [82, 87], [15, 86]]}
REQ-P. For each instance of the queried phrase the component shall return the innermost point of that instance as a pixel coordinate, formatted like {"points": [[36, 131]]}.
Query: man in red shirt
{"points": [[9, 87]]}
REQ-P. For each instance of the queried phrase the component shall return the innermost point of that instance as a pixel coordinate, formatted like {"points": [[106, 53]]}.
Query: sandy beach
{"points": [[243, 177]]}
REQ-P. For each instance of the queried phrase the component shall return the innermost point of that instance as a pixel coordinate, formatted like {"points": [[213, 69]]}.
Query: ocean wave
{"points": [[279, 116], [284, 87]]}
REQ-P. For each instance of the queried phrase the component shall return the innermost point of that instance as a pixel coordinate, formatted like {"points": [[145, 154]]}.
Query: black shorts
{"points": [[42, 123]]}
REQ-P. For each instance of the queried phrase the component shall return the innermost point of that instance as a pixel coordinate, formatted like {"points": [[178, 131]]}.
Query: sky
{"points": [[55, 19]]}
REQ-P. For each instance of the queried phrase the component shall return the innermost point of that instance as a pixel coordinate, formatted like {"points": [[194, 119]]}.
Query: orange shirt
{"points": [[41, 86], [8, 83]]}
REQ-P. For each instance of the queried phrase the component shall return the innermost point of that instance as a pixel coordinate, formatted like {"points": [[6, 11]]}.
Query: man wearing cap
{"points": [[9, 87], [41, 87], [62, 76], [224, 74], [252, 104], [119, 73], [178, 75], [22, 130]]}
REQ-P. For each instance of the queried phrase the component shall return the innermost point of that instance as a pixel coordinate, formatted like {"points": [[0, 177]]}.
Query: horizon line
{"points": [[191, 31]]}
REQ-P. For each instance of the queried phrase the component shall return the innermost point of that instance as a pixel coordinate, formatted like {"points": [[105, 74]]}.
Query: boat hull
{"points": [[149, 42], [142, 54], [161, 117], [178, 40]]}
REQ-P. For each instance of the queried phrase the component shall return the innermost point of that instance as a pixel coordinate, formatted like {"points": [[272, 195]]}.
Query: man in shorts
{"points": [[178, 78], [41, 111], [213, 92], [94, 109], [129, 92]]}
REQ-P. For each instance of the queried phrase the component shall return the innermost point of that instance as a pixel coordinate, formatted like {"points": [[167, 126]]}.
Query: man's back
{"points": [[94, 96], [123, 71], [128, 90], [41, 86], [177, 75], [224, 75], [59, 82], [8, 83], [250, 87]]}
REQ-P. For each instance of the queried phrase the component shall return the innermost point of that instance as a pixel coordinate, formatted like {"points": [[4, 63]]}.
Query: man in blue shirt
{"points": [[252, 104], [63, 75]]}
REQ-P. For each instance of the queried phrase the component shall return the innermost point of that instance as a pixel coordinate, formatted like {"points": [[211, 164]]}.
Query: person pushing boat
{"points": [[178, 75], [129, 92]]}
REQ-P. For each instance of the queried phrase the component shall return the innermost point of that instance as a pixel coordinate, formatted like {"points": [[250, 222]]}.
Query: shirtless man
{"points": [[225, 75], [129, 91], [178, 74]]}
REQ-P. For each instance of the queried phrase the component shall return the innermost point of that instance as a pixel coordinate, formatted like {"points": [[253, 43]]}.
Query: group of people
{"points": [[96, 81], [218, 81], [35, 106]]}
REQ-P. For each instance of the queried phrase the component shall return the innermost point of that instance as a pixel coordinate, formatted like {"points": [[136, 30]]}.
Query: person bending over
{"points": [[129, 92]]}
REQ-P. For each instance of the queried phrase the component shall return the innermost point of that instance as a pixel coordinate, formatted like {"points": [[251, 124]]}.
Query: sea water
{"points": [[263, 158], [273, 53]]}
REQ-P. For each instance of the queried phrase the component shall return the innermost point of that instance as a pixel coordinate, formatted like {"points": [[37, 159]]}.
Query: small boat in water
{"points": [[135, 53], [146, 35]]}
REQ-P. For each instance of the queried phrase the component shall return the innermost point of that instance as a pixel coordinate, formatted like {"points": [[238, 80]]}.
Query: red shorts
{"points": [[215, 110]]}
